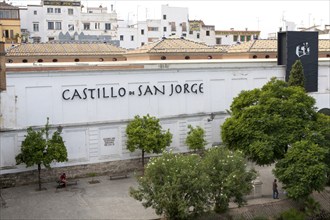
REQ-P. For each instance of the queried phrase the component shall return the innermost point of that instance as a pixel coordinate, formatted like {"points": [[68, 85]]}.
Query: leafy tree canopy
{"points": [[303, 169], [38, 149], [145, 133], [296, 77], [174, 186], [196, 138], [264, 122], [228, 176]]}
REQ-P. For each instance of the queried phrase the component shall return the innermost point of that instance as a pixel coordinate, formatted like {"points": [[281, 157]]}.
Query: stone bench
{"points": [[68, 183], [115, 176]]}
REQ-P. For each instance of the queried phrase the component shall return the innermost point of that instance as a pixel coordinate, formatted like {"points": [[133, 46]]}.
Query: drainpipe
{"points": [[2, 77]]}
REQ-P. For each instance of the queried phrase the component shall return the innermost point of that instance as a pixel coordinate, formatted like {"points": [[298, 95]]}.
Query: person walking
{"points": [[275, 190]]}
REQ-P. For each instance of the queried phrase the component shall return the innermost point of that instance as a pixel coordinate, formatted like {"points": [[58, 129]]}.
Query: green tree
{"points": [[174, 186], [38, 149], [228, 175], [296, 77], [279, 123], [303, 169], [264, 122], [196, 138], [147, 135]]}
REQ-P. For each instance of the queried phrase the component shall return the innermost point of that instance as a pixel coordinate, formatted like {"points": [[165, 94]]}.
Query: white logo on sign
{"points": [[303, 49]]}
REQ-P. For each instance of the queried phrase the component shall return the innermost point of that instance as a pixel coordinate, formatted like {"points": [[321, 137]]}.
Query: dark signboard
{"points": [[61, 3], [296, 45]]}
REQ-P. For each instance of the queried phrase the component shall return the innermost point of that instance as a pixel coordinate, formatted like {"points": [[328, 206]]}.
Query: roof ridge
{"points": [[253, 42]]}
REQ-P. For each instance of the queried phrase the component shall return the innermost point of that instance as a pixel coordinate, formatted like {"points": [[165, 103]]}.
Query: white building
{"points": [[173, 21], [93, 105], [64, 20]]}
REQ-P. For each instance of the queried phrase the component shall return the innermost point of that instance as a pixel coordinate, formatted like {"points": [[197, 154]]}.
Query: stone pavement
{"points": [[108, 199]]}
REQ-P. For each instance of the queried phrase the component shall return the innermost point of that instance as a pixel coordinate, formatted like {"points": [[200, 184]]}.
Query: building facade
{"points": [[67, 20], [93, 104], [10, 25]]}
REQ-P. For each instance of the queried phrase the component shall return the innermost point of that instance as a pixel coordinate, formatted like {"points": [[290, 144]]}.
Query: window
{"points": [[50, 10], [235, 38], [173, 27], [132, 37], [184, 35], [87, 26], [35, 27], [51, 38], [248, 38], [50, 25], [164, 17], [197, 36], [165, 29], [70, 27], [142, 31], [218, 40], [152, 28], [35, 12], [70, 11], [97, 26], [242, 38], [190, 32], [36, 40], [57, 10], [58, 26], [121, 37], [142, 43], [184, 26], [107, 26], [207, 33]]}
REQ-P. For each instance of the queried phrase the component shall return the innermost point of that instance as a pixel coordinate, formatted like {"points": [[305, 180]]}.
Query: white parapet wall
{"points": [[93, 106]]}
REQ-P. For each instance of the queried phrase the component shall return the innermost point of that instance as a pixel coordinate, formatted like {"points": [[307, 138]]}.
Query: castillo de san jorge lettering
{"points": [[107, 92]]}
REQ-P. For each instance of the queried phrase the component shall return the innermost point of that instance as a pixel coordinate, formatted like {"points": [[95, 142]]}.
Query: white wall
{"points": [[88, 123]]}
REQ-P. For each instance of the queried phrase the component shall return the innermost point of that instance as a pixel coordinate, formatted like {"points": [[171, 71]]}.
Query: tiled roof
{"points": [[4, 5], [60, 49], [175, 45], [267, 46], [324, 45]]}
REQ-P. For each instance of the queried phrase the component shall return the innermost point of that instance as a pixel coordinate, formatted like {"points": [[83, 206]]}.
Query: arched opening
{"points": [[25, 61], [10, 61], [187, 57], [267, 56], [40, 60], [55, 60], [209, 57], [114, 59], [101, 59], [328, 55], [76, 60], [255, 56], [163, 58]]}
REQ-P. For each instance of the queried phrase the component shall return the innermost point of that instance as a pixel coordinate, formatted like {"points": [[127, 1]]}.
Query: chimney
{"points": [[2, 67]]}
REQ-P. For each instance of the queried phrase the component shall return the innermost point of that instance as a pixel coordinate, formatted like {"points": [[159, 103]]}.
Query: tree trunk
{"points": [[39, 177]]}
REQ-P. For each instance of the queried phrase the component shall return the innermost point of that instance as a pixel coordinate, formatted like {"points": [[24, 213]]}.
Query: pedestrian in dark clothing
{"points": [[275, 191]]}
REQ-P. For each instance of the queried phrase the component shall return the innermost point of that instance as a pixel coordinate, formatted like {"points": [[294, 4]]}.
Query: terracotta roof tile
{"points": [[267, 46], [62, 49], [175, 45]]}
